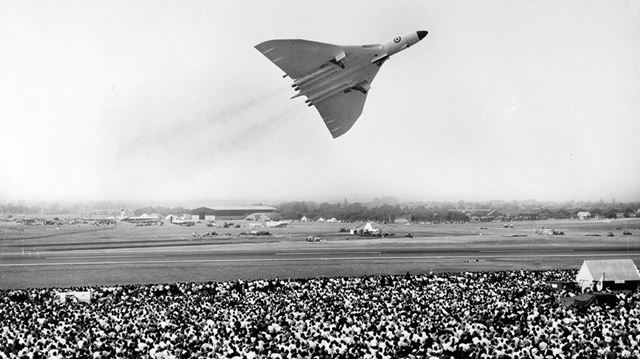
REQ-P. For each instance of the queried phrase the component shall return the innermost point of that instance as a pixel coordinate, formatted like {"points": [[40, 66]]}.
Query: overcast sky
{"points": [[168, 101]]}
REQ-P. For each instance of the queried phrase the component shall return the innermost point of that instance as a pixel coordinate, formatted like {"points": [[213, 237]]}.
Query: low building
{"points": [[614, 274], [263, 217], [628, 213], [583, 215], [536, 214], [545, 214], [596, 213], [611, 213], [485, 215]]}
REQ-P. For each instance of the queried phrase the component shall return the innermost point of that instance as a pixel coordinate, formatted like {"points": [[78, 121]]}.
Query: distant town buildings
{"points": [[494, 211]]}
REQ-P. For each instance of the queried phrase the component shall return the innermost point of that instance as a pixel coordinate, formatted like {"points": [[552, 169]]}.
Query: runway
{"points": [[125, 262]]}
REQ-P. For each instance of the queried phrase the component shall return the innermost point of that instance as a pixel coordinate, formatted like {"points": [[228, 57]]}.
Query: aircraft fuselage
{"points": [[341, 73]]}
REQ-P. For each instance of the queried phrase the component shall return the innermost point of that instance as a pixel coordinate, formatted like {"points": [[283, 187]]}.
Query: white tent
{"points": [[370, 228], [611, 273]]}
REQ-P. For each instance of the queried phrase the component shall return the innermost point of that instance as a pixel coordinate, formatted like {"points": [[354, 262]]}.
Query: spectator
{"points": [[457, 315]]}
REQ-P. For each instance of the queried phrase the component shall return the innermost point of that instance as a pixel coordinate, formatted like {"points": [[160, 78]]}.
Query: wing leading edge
{"points": [[298, 57], [341, 111]]}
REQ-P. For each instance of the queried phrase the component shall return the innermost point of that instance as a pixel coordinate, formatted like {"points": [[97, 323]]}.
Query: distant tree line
{"points": [[441, 212], [19, 209], [86, 209], [54, 208], [354, 212]]}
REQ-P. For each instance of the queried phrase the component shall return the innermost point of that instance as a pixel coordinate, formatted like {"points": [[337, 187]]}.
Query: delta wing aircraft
{"points": [[335, 79]]}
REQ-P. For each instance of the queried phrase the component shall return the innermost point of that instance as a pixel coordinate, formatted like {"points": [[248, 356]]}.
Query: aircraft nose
{"points": [[422, 34]]}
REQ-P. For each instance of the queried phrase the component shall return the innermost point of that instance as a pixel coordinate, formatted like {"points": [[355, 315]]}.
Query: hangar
{"points": [[230, 212]]}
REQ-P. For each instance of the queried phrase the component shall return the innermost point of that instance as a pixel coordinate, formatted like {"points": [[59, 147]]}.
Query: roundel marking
{"points": [[397, 39]]}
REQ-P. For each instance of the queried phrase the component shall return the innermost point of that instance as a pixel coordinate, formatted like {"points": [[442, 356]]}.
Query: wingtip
{"points": [[261, 46], [337, 132]]}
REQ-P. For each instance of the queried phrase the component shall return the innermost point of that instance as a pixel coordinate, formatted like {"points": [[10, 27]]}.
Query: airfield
{"points": [[83, 254]]}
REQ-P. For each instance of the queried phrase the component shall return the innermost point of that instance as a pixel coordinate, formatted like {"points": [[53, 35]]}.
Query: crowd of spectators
{"points": [[511, 314]]}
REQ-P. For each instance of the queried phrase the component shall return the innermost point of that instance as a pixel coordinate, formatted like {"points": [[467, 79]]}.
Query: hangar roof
{"points": [[238, 208]]}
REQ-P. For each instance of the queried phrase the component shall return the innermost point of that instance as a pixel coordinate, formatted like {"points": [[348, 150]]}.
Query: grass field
{"points": [[70, 255], [522, 232]]}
